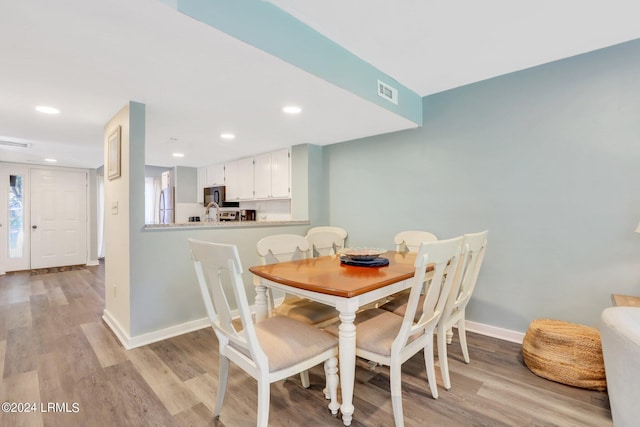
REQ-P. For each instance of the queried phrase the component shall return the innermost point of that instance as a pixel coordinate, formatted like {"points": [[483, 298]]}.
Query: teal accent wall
{"points": [[547, 159], [265, 26]]}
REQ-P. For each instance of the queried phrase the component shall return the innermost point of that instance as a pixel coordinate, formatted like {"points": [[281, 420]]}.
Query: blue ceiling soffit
{"points": [[272, 30]]}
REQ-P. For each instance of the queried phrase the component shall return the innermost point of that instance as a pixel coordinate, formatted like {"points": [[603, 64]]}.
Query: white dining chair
{"points": [[270, 350], [323, 243], [410, 240], [389, 339], [406, 241], [473, 248], [330, 228], [289, 247]]}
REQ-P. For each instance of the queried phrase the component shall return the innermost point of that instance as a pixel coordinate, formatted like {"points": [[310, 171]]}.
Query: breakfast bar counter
{"points": [[222, 224]]}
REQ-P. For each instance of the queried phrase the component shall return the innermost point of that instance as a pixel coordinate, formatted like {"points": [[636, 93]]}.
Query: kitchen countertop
{"points": [[222, 224]]}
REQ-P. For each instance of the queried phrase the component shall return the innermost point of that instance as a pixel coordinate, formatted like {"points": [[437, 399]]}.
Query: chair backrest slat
{"points": [[323, 243], [410, 240], [330, 228], [219, 275], [282, 248]]}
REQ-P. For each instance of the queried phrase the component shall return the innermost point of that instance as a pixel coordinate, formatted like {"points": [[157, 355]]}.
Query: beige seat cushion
{"points": [[287, 342], [399, 305], [375, 330], [305, 310]]}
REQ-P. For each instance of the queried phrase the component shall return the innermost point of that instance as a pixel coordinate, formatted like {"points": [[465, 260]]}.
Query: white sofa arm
{"points": [[620, 333]]}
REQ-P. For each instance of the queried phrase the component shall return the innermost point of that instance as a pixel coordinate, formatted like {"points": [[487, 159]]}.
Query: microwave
{"points": [[214, 194]]}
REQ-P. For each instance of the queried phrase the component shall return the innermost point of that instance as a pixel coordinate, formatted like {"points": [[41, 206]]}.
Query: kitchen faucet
{"points": [[206, 211]]}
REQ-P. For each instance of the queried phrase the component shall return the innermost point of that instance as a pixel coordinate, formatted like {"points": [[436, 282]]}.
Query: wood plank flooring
{"points": [[56, 353]]}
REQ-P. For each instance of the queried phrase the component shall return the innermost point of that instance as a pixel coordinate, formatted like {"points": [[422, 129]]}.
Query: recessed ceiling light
{"points": [[227, 135], [292, 109], [177, 155], [47, 110], [50, 160]]}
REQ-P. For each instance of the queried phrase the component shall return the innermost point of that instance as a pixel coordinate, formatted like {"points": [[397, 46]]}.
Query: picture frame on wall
{"points": [[113, 161]]}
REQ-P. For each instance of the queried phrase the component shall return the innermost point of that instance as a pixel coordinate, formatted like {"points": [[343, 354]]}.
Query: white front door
{"points": [[58, 218], [14, 217]]}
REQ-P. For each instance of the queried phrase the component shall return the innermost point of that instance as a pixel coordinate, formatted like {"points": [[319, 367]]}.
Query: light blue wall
{"points": [[164, 287], [547, 159]]}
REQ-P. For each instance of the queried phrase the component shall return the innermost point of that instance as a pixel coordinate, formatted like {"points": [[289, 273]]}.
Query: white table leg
{"points": [[262, 309], [347, 346]]}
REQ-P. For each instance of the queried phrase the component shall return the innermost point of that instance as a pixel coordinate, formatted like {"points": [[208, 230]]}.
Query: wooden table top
{"points": [[625, 300], [328, 276]]}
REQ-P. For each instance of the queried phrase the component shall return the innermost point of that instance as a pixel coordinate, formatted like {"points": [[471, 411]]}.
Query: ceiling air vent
{"points": [[387, 92]]}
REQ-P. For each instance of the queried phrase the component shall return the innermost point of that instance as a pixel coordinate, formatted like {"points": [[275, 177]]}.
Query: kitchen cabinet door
{"points": [[215, 175], [245, 179], [280, 174], [231, 181], [262, 176]]}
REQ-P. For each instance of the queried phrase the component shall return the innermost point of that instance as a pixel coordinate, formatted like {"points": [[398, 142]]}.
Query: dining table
{"points": [[346, 287]]}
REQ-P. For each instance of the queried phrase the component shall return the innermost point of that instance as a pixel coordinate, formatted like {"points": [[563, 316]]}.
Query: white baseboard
{"points": [[116, 328], [495, 332], [162, 334], [130, 342], [93, 262]]}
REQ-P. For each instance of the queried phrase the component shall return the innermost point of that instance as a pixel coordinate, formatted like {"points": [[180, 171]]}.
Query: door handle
{"points": [[34, 226]]}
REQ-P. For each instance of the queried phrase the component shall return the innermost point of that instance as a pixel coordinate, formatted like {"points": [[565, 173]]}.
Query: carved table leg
{"points": [[347, 346], [262, 309]]}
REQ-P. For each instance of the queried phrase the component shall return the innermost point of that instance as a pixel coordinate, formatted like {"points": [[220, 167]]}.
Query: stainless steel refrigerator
{"points": [[167, 207]]}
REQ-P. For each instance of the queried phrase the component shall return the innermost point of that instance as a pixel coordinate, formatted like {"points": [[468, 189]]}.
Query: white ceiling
{"points": [[90, 57]]}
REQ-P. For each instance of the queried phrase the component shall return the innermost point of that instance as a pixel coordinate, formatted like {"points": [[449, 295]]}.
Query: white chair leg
{"points": [[449, 335], [331, 375], [431, 370], [264, 395], [304, 378], [223, 375], [462, 335], [372, 365], [395, 372], [442, 358]]}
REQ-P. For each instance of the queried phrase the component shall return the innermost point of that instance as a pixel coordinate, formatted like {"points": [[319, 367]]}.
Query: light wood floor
{"points": [[55, 349]]}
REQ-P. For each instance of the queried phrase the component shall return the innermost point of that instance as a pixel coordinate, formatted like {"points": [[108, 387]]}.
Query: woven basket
{"points": [[565, 352]]}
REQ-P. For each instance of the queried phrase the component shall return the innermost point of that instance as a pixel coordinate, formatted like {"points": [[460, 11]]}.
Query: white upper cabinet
{"points": [[272, 175], [265, 176], [231, 181], [238, 176], [245, 179], [281, 174], [215, 175], [262, 176]]}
